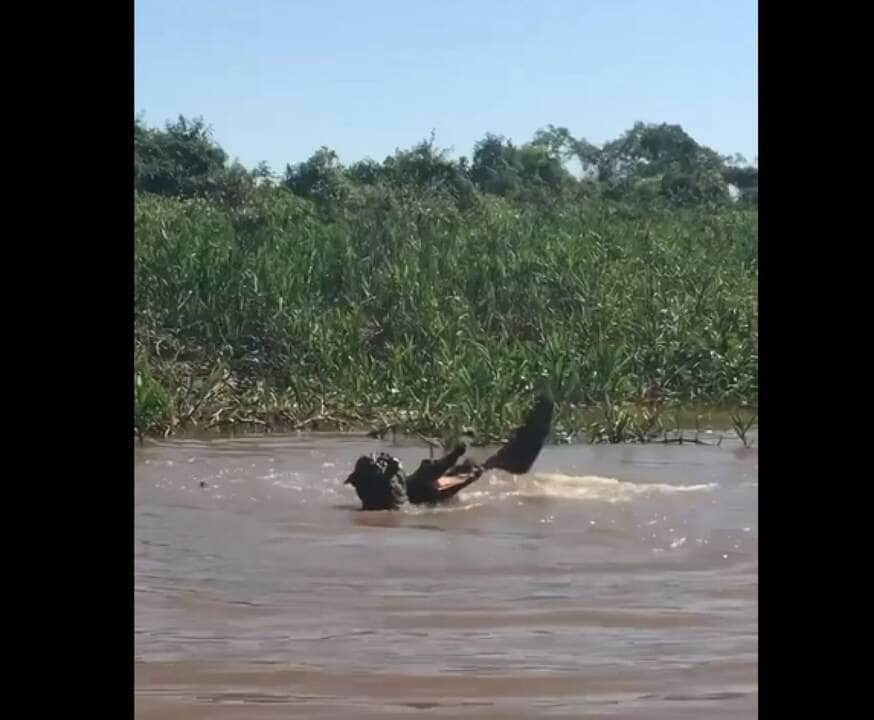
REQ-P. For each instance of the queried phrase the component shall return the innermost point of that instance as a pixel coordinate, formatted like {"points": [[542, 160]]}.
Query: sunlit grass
{"points": [[413, 315]]}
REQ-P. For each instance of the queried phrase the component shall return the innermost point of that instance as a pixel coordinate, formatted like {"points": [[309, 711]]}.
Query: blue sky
{"points": [[276, 79]]}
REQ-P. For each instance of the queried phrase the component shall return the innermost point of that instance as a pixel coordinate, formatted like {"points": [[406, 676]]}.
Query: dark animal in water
{"points": [[381, 483]]}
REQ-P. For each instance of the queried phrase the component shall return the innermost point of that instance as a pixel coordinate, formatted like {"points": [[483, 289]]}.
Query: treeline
{"points": [[650, 164]]}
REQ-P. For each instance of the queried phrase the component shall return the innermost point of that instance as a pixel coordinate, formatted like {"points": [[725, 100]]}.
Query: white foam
{"points": [[595, 487]]}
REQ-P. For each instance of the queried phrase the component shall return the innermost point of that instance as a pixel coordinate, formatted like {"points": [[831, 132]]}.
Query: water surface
{"points": [[613, 581]]}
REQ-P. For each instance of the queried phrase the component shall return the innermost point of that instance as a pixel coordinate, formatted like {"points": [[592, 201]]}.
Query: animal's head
{"points": [[370, 469]]}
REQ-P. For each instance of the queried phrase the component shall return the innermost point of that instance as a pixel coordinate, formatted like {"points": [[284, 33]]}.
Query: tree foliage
{"points": [[649, 163], [182, 160]]}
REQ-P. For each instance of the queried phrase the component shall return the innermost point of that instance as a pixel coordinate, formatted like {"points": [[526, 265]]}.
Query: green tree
{"points": [[684, 170], [565, 146], [321, 179], [429, 169], [495, 166], [365, 172], [182, 160], [541, 166], [744, 177]]}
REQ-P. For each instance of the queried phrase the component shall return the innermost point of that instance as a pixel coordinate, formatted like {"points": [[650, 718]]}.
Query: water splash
{"points": [[595, 487]]}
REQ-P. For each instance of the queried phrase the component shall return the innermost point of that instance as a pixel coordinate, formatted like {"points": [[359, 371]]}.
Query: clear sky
{"points": [[278, 78]]}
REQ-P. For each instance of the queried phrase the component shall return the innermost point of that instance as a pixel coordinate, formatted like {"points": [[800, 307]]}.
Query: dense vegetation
{"points": [[430, 293]]}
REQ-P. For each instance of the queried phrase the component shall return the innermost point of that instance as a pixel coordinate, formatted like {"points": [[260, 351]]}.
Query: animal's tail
{"points": [[521, 450]]}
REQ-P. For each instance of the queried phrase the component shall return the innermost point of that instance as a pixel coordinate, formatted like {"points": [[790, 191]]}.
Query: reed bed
{"points": [[408, 314]]}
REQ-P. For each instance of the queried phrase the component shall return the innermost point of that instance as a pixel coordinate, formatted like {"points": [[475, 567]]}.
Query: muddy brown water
{"points": [[612, 581]]}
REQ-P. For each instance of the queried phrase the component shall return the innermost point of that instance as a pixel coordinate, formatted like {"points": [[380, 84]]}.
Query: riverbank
{"points": [[621, 424], [418, 317]]}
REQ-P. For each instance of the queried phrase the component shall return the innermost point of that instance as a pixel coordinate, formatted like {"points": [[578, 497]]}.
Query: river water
{"points": [[614, 581]]}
